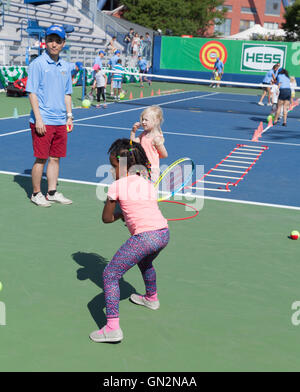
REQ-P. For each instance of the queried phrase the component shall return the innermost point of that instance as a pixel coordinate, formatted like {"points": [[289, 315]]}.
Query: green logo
{"points": [[261, 58]]}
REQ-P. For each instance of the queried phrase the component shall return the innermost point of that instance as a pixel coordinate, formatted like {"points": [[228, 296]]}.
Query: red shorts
{"points": [[52, 144]]}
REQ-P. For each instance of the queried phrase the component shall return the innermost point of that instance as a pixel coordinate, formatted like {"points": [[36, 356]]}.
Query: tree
{"points": [[292, 22], [192, 17]]}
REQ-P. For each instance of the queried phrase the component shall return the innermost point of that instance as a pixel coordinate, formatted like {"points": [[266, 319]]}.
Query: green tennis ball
{"points": [[122, 95], [86, 103], [270, 117], [1, 286], [295, 235]]}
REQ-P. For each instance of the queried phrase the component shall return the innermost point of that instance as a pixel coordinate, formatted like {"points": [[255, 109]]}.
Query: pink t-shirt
{"points": [[138, 200], [152, 154]]}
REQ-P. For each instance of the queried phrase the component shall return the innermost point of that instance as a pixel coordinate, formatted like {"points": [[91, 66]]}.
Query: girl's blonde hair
{"points": [[292, 79], [156, 114]]}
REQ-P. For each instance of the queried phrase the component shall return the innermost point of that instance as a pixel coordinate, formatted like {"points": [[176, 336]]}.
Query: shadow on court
{"points": [[93, 266], [26, 183]]}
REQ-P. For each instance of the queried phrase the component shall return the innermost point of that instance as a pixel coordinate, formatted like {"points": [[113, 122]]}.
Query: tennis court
{"points": [[227, 279]]}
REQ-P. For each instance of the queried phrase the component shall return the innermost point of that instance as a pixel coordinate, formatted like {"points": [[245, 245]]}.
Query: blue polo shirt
{"points": [[113, 61], [142, 64], [219, 65], [269, 77], [284, 81], [98, 61], [50, 82]]}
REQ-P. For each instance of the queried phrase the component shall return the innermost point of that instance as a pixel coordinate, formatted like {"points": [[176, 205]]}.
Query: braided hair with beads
{"points": [[134, 154]]}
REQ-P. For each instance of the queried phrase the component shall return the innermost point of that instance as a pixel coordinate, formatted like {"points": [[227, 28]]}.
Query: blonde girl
{"points": [[151, 138]]}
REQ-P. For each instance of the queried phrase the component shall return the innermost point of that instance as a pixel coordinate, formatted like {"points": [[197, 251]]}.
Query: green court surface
{"points": [[226, 282]]}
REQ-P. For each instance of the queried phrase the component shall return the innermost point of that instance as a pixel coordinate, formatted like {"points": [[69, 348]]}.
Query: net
{"points": [[211, 95]]}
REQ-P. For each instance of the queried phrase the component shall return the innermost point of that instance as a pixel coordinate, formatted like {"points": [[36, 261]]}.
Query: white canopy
{"points": [[257, 29]]}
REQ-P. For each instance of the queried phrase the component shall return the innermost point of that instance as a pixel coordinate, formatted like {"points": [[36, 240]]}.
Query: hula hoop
{"points": [[183, 204]]}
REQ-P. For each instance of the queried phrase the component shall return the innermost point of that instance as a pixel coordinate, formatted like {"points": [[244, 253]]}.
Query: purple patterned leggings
{"points": [[140, 249]]}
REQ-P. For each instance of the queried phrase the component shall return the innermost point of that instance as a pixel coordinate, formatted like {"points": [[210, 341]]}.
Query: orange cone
{"points": [[130, 95], [141, 95], [152, 93], [158, 92], [270, 123]]}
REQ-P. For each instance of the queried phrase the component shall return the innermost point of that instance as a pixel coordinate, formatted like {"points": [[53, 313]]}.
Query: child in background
{"points": [[274, 96], [100, 83], [148, 228], [293, 86], [117, 79], [151, 139]]}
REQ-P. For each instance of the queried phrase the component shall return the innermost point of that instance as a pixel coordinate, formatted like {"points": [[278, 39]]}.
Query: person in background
{"points": [[143, 69], [99, 58], [284, 98], [111, 47], [293, 87], [219, 68], [127, 40], [117, 79], [148, 45], [135, 45], [269, 78], [100, 85], [49, 86], [112, 62]]}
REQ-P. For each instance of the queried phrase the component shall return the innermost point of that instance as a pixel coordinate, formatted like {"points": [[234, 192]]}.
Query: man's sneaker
{"points": [[261, 104], [141, 300], [106, 337], [58, 198], [40, 200], [269, 104]]}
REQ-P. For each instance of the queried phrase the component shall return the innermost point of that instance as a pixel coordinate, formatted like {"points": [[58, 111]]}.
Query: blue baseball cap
{"points": [[79, 65], [117, 52], [101, 51], [55, 29]]}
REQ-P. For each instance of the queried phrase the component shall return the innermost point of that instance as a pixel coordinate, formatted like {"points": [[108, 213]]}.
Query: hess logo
{"points": [[262, 58]]}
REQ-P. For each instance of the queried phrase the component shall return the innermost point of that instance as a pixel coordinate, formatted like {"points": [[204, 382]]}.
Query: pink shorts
{"points": [[52, 144]]}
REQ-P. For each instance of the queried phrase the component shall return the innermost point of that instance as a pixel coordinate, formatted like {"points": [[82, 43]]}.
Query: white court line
{"points": [[215, 175], [180, 194], [241, 167], [211, 189], [15, 132], [231, 160], [245, 153], [229, 171]]}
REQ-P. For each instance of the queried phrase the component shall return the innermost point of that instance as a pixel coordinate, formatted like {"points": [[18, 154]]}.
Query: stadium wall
{"points": [[245, 61]]}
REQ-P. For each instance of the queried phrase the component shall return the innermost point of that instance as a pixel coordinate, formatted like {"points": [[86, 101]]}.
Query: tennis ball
{"points": [[295, 235], [122, 94], [86, 103], [270, 117], [1, 286]]}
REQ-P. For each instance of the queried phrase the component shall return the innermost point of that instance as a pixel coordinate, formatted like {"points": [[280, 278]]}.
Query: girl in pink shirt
{"points": [[151, 139], [149, 231]]}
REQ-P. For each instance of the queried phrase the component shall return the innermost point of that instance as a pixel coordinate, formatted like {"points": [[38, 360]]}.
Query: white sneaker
{"points": [[58, 198], [261, 104], [40, 200], [269, 104], [141, 300]]}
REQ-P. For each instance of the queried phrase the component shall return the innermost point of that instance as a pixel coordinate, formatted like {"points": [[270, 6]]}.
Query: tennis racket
{"points": [[174, 178]]}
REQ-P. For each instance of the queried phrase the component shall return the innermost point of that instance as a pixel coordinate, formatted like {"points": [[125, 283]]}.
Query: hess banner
{"points": [[239, 57]]}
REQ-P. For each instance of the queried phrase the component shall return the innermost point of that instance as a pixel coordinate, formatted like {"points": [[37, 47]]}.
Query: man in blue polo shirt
{"points": [[49, 86], [219, 70], [98, 59], [143, 68]]}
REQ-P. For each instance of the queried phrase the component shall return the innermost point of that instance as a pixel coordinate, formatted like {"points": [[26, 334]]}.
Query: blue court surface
{"points": [[214, 129]]}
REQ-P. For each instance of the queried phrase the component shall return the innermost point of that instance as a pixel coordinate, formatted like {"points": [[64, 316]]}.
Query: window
{"points": [[273, 7], [248, 10], [227, 7], [246, 24], [224, 28], [271, 26]]}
